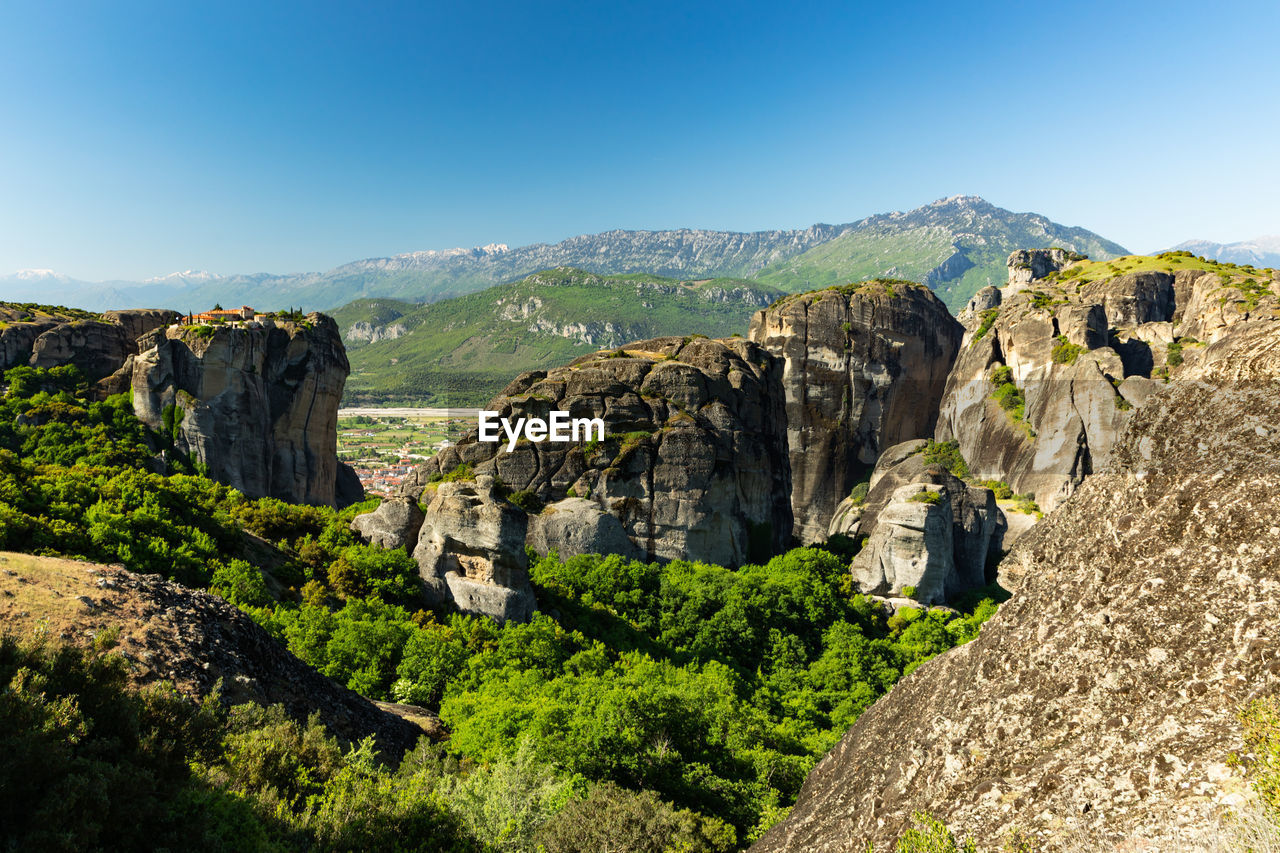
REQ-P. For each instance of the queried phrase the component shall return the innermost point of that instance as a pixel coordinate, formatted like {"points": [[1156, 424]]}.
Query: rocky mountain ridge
{"points": [[1260, 251], [955, 244]]}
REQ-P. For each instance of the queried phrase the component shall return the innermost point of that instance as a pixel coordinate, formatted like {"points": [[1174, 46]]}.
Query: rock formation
{"points": [[864, 367], [1099, 706], [257, 406], [98, 347], [1027, 265], [1041, 390], [191, 640], [579, 526], [470, 551], [924, 528], [394, 524], [694, 463]]}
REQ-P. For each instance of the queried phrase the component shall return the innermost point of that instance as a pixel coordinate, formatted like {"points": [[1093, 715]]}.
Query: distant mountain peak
{"points": [[960, 201], [39, 275], [1259, 251], [185, 275]]}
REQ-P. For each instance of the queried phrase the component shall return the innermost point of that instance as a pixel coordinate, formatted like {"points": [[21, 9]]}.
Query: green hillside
{"points": [[956, 246], [462, 351]]}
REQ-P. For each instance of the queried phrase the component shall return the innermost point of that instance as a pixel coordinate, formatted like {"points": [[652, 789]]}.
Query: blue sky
{"points": [[141, 138]]}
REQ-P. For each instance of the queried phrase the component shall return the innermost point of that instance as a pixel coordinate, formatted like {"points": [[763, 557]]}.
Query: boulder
{"points": [[579, 526], [694, 461], [347, 487], [910, 547], [394, 524], [847, 518], [17, 339], [864, 367], [470, 552]]}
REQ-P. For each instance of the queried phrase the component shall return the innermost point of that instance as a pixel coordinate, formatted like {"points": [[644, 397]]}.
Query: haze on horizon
{"points": [[147, 137]]}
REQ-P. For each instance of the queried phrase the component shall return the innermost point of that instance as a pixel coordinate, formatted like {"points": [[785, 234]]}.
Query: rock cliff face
{"points": [[694, 464], [258, 406], [1101, 701], [1042, 388], [864, 367]]}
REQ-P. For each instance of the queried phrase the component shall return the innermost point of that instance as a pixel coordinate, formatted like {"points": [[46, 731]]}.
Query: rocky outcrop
{"points": [[98, 347], [394, 524], [190, 641], [17, 340], [984, 300], [864, 367], [470, 552], [1027, 265], [1038, 397], [257, 406], [1098, 708], [694, 463], [371, 333], [579, 526], [925, 528], [137, 322]]}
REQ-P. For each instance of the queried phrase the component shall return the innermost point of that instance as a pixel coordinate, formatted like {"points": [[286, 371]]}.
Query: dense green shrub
{"points": [[1065, 352], [947, 454]]}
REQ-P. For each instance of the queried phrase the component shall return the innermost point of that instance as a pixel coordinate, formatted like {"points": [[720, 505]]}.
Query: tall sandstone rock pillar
{"points": [[258, 406], [864, 368]]}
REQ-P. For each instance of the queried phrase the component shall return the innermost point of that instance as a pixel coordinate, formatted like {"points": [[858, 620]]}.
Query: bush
{"points": [[1000, 488], [988, 320], [947, 454], [613, 818], [528, 501], [1065, 352]]}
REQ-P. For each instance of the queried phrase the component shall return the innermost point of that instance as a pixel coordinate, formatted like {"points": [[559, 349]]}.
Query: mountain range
{"points": [[1260, 252], [955, 245]]}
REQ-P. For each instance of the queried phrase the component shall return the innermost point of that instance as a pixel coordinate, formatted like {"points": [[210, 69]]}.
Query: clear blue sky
{"points": [[140, 138]]}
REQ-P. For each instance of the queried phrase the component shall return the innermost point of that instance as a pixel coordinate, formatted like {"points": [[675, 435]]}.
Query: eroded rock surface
{"points": [[925, 529], [258, 406], [864, 367], [1072, 361], [579, 526], [694, 464], [394, 524], [1100, 702], [470, 551]]}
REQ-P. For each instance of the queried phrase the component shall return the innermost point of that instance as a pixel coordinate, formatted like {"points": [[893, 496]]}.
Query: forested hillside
{"points": [[685, 696]]}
